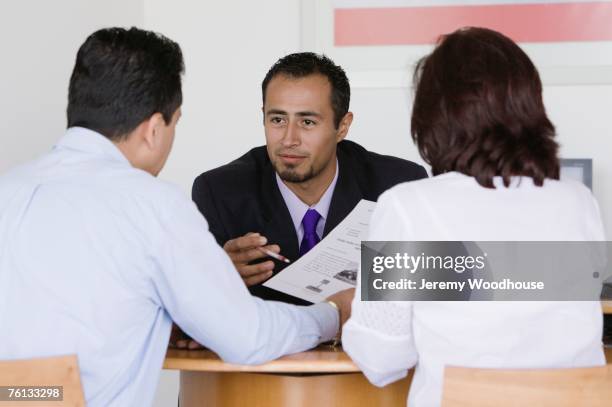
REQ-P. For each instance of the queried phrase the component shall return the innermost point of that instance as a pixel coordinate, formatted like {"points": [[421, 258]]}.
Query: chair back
{"points": [[590, 386], [60, 371]]}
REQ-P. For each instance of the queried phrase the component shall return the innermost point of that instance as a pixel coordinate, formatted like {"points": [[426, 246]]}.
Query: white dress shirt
{"points": [[98, 258], [297, 208], [387, 338]]}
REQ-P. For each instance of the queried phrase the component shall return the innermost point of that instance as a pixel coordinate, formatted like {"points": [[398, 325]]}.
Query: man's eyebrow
{"points": [[276, 111], [308, 113]]}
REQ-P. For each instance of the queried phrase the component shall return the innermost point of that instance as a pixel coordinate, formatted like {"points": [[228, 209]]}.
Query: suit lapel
{"points": [[278, 226], [346, 196]]}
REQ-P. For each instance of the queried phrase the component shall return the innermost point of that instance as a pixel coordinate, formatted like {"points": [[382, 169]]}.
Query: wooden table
{"points": [[319, 377]]}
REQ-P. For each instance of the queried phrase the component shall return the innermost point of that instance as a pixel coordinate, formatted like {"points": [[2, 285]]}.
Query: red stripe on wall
{"points": [[591, 21]]}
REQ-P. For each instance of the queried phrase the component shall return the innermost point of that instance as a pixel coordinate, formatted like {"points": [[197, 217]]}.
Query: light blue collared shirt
{"points": [[297, 208], [97, 258]]}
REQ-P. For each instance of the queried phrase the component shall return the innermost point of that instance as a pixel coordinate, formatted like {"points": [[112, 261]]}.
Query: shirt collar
{"points": [[297, 208], [88, 141]]}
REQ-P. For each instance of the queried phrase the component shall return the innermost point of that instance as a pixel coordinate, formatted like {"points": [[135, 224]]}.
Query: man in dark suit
{"points": [[287, 195]]}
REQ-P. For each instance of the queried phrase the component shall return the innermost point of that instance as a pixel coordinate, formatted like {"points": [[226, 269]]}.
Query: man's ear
{"points": [[152, 131], [263, 115], [344, 126]]}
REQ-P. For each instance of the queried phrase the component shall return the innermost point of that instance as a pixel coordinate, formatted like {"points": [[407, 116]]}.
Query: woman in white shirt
{"points": [[479, 121]]}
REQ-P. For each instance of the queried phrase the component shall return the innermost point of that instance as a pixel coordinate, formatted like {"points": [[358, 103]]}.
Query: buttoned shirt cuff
{"points": [[328, 319]]}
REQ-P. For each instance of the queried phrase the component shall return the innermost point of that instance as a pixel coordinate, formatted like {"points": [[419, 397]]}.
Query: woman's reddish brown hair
{"points": [[478, 110]]}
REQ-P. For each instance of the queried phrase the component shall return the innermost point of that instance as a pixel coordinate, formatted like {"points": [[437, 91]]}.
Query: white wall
{"points": [[228, 47], [39, 44]]}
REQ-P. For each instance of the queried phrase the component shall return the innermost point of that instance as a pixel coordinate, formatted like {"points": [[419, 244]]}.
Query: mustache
{"points": [[292, 152]]}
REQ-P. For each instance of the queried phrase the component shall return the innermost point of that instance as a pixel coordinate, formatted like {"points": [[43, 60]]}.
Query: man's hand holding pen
{"points": [[252, 246]]}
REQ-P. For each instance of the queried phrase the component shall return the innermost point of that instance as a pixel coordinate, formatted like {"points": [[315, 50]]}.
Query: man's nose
{"points": [[292, 135]]}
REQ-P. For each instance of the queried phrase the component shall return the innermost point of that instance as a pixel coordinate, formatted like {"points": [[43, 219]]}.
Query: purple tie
{"points": [[310, 238]]}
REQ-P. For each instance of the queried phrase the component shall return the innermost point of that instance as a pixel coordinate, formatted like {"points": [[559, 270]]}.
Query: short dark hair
{"points": [[302, 64], [122, 77], [478, 110]]}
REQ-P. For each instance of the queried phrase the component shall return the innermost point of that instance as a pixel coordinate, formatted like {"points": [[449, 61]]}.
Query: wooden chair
{"points": [[54, 371], [552, 387]]}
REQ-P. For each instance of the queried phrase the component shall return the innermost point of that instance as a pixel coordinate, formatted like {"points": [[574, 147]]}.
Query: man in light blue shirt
{"points": [[98, 257]]}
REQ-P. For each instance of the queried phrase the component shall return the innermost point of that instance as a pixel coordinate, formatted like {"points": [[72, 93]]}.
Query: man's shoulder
{"points": [[248, 165], [140, 188], [379, 165], [242, 173]]}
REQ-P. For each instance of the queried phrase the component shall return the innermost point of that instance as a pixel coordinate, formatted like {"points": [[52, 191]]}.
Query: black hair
{"points": [[122, 77]]}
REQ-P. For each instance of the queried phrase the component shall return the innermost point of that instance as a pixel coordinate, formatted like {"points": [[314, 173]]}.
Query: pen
{"points": [[274, 255]]}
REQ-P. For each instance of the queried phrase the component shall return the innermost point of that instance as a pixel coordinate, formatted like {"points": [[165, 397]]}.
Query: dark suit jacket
{"points": [[243, 197]]}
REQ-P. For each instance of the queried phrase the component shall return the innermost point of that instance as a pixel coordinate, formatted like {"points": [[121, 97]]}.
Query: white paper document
{"points": [[332, 264]]}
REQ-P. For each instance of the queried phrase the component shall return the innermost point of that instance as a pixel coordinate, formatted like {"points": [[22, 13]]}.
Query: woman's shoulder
{"points": [[569, 192], [438, 184]]}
